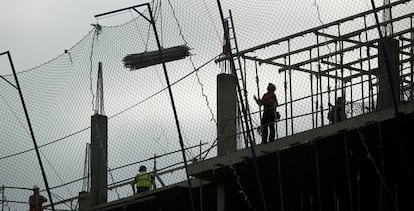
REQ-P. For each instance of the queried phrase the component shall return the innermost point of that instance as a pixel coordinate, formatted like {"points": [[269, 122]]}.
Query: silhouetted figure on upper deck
{"points": [[337, 112]]}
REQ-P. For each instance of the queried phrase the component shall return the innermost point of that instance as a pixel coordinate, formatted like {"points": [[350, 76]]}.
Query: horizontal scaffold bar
{"points": [[316, 29]]}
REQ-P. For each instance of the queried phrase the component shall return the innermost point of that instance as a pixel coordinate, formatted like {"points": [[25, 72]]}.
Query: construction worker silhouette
{"points": [[269, 101], [143, 180], [337, 112], [36, 200]]}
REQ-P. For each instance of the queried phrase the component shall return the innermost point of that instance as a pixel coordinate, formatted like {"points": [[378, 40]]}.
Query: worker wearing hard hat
{"points": [[143, 180], [36, 200]]}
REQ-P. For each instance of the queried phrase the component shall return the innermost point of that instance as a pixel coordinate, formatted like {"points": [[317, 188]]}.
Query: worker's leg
{"points": [[142, 189], [265, 131], [272, 131]]}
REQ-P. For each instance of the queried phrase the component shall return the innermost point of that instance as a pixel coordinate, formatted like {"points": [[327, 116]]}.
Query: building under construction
{"points": [[361, 163]]}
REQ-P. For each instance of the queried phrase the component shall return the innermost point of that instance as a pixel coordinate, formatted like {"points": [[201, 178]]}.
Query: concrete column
{"points": [[99, 159], [385, 98], [84, 201], [226, 114]]}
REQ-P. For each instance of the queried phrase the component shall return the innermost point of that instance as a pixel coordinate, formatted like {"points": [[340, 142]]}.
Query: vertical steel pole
{"points": [[320, 82], [173, 107], [411, 59], [370, 86], [290, 90], [311, 86], [286, 101], [3, 198], [258, 89], [362, 77], [336, 73], [201, 181], [31, 131]]}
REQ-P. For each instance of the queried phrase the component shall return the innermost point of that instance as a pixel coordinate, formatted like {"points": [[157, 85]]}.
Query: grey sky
{"points": [[38, 32]]}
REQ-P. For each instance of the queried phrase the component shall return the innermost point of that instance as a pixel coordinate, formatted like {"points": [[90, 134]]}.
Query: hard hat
{"points": [[142, 168]]}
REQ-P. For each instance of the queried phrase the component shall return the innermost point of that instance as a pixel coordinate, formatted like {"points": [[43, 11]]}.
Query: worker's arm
{"points": [[133, 184], [258, 101], [44, 199]]}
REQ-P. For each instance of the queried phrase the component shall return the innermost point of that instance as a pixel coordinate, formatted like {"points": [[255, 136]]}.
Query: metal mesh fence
{"points": [[310, 67]]}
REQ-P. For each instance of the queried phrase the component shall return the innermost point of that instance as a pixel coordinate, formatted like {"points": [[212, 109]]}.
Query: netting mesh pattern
{"points": [[60, 94]]}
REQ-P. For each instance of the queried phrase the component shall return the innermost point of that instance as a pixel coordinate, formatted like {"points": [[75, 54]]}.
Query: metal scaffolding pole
{"points": [[362, 77], [290, 90], [320, 82], [286, 103], [370, 85], [412, 60], [39, 159], [311, 84]]}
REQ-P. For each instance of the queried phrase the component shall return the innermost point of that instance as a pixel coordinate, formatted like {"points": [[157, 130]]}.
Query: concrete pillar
{"points": [[99, 159], [226, 114], [84, 201], [385, 98]]}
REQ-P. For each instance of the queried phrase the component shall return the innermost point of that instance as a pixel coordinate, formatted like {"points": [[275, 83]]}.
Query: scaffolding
{"points": [[341, 58]]}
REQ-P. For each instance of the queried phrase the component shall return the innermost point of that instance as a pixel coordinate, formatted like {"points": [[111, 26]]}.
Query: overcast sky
{"points": [[37, 31]]}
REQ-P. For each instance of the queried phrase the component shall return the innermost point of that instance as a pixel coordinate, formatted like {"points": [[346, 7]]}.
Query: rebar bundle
{"points": [[141, 60]]}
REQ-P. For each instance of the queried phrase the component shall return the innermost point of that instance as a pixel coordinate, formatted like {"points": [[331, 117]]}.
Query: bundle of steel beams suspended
{"points": [[141, 60]]}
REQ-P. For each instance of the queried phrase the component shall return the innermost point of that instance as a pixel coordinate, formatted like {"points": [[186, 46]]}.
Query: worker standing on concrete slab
{"points": [[269, 101]]}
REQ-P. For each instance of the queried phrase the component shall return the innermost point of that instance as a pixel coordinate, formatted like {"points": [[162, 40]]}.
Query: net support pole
{"points": [[173, 107], [30, 128], [3, 198]]}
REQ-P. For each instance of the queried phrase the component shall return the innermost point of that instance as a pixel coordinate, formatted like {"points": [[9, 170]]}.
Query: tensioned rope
{"points": [[116, 114], [192, 62]]}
